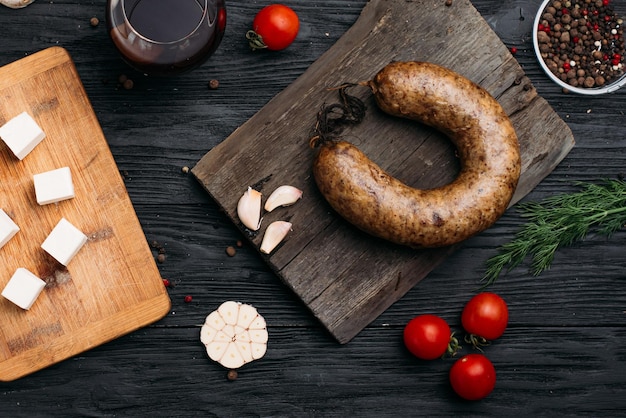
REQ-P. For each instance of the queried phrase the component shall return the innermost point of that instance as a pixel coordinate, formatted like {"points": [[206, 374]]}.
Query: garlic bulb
{"points": [[274, 234], [283, 196], [234, 334], [249, 209], [16, 4]]}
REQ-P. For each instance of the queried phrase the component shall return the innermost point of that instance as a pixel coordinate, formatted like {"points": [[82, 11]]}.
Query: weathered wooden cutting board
{"points": [[112, 286], [343, 276]]}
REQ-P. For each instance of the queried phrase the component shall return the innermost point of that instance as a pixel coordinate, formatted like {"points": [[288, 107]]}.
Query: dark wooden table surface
{"points": [[564, 352]]}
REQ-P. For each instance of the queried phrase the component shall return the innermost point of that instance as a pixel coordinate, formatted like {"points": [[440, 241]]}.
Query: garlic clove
{"points": [[258, 336], [247, 314], [216, 350], [16, 4], [257, 323], [234, 334], [245, 351], [274, 234], [208, 334], [249, 209], [222, 337], [258, 350], [229, 311], [215, 321], [230, 331], [283, 196], [232, 358]]}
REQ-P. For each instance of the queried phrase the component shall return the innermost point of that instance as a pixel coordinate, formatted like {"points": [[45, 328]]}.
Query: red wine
{"points": [[164, 37]]}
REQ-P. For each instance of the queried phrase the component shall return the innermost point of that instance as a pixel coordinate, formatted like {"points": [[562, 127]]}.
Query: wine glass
{"points": [[166, 37]]}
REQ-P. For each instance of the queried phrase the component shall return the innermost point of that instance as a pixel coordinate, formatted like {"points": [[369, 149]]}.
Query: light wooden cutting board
{"points": [[112, 286], [343, 276]]}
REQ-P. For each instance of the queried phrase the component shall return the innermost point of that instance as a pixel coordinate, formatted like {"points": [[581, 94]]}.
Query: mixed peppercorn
{"points": [[582, 42]]}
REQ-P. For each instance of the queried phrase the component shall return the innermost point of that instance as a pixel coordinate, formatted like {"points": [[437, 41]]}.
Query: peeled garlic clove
{"points": [[249, 209], [283, 196], [234, 334], [274, 234]]}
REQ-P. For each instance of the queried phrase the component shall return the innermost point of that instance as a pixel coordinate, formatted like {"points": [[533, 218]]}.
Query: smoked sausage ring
{"points": [[487, 146]]}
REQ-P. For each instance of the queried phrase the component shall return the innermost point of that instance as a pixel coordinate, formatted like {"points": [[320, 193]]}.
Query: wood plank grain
{"points": [[344, 278], [112, 286], [562, 355], [334, 385]]}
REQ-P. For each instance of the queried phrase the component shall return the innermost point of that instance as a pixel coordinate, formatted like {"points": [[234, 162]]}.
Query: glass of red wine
{"points": [[166, 37]]}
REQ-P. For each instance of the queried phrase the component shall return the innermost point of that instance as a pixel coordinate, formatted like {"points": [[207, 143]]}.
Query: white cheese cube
{"points": [[23, 288], [64, 242], [54, 186], [21, 134], [8, 228]]}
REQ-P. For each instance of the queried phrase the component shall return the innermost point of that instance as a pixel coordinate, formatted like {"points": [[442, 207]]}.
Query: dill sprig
{"points": [[559, 221]]}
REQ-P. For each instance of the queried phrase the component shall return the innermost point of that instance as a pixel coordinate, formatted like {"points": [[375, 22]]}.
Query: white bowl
{"points": [[608, 88]]}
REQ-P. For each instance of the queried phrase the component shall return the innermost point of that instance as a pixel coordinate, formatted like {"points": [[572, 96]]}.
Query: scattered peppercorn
{"points": [[239, 243], [582, 42], [214, 84], [166, 283], [448, 3], [185, 169], [188, 299], [232, 375], [230, 250], [125, 82], [94, 21], [155, 245], [513, 50]]}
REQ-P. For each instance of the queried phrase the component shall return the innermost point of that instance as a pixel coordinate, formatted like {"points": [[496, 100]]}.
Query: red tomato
{"points": [[427, 337], [485, 315], [473, 377], [275, 27]]}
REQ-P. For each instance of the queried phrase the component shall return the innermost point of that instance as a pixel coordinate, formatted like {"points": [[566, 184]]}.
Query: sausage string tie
{"points": [[333, 118]]}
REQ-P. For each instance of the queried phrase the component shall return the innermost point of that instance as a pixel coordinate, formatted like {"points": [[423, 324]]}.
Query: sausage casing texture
{"points": [[487, 147]]}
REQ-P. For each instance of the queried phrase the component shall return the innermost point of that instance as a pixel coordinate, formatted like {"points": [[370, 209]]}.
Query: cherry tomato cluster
{"points": [[484, 318]]}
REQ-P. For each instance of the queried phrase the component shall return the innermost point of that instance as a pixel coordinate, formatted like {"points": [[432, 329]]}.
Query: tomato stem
{"points": [[255, 40], [477, 341], [453, 346]]}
